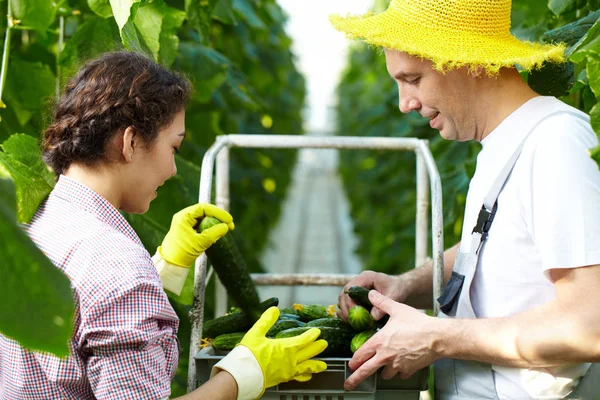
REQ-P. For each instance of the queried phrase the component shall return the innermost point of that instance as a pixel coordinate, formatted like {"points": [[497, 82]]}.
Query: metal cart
{"points": [[327, 385]]}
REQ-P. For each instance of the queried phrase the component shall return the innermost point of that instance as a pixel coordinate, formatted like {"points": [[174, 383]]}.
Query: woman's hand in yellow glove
{"points": [[259, 362], [183, 244], [282, 360]]}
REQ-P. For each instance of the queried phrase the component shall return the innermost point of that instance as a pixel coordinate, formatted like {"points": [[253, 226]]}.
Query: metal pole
{"points": [[222, 193], [422, 221], [437, 236], [197, 312], [322, 142]]}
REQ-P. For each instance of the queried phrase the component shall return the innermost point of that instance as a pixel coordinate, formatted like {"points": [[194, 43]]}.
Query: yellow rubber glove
{"points": [[282, 360], [183, 244]]}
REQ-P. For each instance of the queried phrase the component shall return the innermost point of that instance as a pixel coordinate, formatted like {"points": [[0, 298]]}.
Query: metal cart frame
{"points": [[218, 154]]}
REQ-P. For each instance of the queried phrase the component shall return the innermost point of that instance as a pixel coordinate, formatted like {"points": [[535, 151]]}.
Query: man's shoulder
{"points": [[568, 128]]}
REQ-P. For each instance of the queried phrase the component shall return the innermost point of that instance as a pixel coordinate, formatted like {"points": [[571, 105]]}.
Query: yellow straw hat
{"points": [[450, 33]]}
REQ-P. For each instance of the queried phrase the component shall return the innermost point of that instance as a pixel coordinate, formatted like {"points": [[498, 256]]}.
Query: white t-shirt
{"points": [[548, 217]]}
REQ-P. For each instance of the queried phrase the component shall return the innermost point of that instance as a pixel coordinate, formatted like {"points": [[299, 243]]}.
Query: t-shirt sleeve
{"points": [[131, 344], [565, 196]]}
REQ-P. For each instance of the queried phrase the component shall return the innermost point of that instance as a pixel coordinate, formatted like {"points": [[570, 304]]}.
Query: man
{"points": [[519, 309]]}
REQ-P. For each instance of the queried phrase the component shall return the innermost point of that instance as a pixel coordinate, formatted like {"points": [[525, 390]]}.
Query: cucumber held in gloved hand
{"points": [[231, 269]]}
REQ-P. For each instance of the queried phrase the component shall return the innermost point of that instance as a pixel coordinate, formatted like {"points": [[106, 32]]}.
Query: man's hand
{"points": [[282, 360], [403, 346], [183, 244], [389, 285]]}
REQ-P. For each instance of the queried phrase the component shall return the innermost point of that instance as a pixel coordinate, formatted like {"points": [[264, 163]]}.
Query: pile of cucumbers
{"points": [[343, 338], [225, 332]]}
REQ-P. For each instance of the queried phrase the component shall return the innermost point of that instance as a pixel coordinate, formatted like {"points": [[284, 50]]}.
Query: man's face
{"points": [[438, 97]]}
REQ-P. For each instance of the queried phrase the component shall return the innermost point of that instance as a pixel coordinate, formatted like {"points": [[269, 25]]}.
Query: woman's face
{"points": [[152, 166]]}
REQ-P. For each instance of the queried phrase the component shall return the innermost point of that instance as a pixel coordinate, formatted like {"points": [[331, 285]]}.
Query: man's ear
{"points": [[477, 72], [129, 144]]}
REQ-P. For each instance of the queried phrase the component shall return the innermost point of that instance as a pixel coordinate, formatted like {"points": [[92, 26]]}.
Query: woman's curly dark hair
{"points": [[107, 95]]}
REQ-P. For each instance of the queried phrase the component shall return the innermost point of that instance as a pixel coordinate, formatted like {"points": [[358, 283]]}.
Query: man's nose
{"points": [[408, 104]]}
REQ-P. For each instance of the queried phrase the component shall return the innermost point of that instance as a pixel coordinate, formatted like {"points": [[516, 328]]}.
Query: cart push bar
{"points": [[218, 154]]}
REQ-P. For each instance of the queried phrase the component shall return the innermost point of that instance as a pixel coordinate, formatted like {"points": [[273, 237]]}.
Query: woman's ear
{"points": [[129, 144]]}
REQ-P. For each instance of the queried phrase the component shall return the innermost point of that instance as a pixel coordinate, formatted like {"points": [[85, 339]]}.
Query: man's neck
{"points": [[499, 98]]}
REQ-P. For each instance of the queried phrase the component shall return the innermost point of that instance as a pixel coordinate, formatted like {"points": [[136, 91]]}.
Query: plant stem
{"points": [[61, 41], [5, 54]]}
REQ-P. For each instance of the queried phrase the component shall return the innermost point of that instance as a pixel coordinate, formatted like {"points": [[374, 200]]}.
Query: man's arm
{"points": [[416, 285], [566, 330]]}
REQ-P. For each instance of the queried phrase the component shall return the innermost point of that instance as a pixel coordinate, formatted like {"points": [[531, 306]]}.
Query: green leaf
{"points": [[593, 73], [29, 84], [32, 188], [223, 12], [573, 32], [121, 9], [589, 45], [208, 68], [8, 196], [25, 149], [595, 119], [32, 290], [239, 88], [93, 37], [36, 14], [199, 14], [101, 7], [560, 7], [553, 79], [148, 21], [245, 9], [169, 41]]}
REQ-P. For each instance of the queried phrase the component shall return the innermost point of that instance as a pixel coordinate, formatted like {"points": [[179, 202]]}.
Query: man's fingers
{"points": [[364, 353], [367, 369], [377, 313], [382, 302], [264, 323], [312, 350], [388, 372], [220, 214]]}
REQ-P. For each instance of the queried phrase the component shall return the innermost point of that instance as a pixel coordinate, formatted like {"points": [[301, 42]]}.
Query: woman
{"points": [[112, 143]]}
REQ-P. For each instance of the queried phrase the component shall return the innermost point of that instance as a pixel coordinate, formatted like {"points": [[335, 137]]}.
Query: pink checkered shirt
{"points": [[124, 344]]}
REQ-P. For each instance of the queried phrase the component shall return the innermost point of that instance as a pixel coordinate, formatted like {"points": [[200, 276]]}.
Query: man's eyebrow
{"points": [[402, 76]]}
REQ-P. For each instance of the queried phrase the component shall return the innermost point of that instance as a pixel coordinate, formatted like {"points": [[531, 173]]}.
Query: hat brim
{"points": [[447, 49]]}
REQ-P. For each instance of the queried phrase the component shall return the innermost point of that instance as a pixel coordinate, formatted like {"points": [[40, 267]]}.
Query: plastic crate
{"points": [[328, 385]]}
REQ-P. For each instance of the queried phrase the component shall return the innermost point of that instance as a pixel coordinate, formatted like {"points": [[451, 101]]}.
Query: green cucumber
{"points": [[282, 325], [361, 296], [236, 322], [360, 319], [359, 339], [308, 312], [289, 310], [338, 340], [229, 265], [328, 322], [227, 341]]}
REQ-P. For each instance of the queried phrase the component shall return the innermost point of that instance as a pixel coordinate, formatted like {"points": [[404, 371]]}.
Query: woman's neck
{"points": [[101, 180]]}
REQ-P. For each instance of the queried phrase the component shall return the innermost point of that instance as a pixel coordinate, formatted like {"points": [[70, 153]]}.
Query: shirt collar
{"points": [[93, 203], [509, 127]]}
